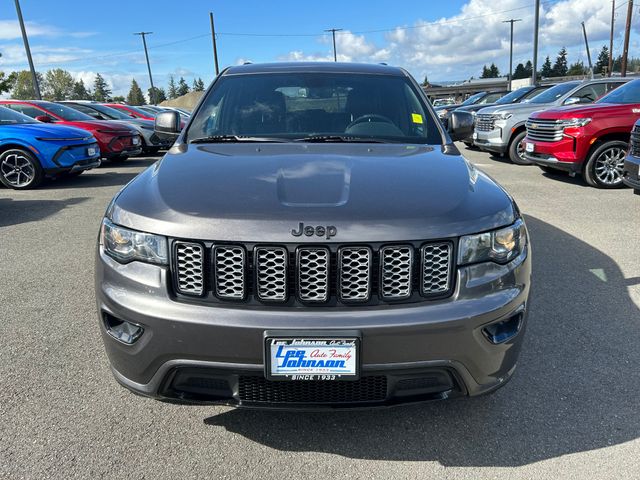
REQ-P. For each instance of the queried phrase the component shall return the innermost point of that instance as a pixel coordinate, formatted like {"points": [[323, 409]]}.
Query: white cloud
{"points": [[10, 30], [457, 47]]}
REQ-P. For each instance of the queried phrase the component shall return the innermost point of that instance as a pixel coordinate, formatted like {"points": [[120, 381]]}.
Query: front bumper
{"points": [[631, 173], [561, 155], [491, 140], [122, 146], [410, 352]]}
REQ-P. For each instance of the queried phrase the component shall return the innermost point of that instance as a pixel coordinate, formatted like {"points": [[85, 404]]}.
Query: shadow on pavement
{"points": [[15, 212], [577, 387], [89, 180]]}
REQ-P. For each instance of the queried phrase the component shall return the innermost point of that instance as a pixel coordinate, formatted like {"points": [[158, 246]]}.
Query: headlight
{"points": [[500, 246], [575, 122], [128, 245], [502, 116], [474, 113]]}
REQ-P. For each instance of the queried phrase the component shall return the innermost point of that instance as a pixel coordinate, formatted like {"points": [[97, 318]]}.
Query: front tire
{"points": [[516, 149], [20, 170], [604, 166]]}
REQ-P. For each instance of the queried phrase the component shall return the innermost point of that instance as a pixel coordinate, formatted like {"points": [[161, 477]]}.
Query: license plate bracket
{"points": [[529, 147], [312, 355]]}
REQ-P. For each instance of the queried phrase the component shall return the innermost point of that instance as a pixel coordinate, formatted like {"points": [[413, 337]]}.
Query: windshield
{"points": [[66, 113], [554, 93], [9, 117], [513, 96], [112, 113], [627, 93], [473, 99], [296, 106], [140, 112]]}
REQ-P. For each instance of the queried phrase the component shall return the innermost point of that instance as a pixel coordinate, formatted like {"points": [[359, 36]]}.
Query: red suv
{"points": [[116, 141], [138, 112], [591, 140]]}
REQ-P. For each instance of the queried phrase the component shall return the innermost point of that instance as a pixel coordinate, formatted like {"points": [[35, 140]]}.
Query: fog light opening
{"points": [[504, 330], [122, 330]]}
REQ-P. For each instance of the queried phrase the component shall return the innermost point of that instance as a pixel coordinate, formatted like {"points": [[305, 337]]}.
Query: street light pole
{"points": [[586, 42], [333, 32], [215, 46], [613, 16], [627, 32], [34, 77], [146, 54], [534, 74], [511, 21]]}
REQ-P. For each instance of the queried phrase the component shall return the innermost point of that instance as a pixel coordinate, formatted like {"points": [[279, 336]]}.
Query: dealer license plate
{"points": [[312, 358], [475, 135], [529, 147], [91, 151], [136, 141]]}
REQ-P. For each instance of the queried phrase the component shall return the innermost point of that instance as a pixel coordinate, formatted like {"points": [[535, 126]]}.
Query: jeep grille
{"points": [[322, 275]]}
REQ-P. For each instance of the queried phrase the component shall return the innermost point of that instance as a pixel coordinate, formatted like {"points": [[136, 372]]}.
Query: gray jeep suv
{"points": [[502, 128], [313, 239]]}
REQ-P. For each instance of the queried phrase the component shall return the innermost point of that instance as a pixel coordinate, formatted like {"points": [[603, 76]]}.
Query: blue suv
{"points": [[30, 150]]}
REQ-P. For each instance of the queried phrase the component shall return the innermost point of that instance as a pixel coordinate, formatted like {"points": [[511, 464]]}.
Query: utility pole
{"points": [[511, 21], [215, 47], [534, 74], [34, 77], [146, 54], [613, 15], [333, 32], [586, 42], [627, 31]]}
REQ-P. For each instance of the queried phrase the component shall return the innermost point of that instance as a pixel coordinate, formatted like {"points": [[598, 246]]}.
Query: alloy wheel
{"points": [[17, 170], [609, 165]]}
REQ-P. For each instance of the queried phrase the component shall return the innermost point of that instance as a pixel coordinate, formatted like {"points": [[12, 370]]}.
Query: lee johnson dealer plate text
{"points": [[312, 358]]}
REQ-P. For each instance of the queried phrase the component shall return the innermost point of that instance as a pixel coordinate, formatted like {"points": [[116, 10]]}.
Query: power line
{"points": [[333, 33]]}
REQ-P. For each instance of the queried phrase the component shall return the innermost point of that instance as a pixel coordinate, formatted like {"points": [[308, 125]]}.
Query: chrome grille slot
{"points": [[271, 273], [436, 268], [354, 277], [313, 274], [189, 268], [545, 130], [396, 264], [484, 122], [229, 271]]}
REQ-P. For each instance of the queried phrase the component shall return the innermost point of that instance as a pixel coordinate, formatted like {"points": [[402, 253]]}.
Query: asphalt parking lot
{"points": [[572, 410]]}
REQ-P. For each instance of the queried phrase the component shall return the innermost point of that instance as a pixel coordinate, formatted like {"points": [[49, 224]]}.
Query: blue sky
{"points": [[446, 40]]}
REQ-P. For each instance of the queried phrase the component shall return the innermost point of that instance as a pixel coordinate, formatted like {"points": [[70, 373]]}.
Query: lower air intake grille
{"points": [[189, 271], [258, 389]]}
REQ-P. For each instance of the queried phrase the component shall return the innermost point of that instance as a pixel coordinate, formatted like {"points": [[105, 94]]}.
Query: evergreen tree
{"points": [[617, 63], [183, 88], [547, 70], [495, 73], [198, 85], [22, 88], [577, 68], [58, 85], [118, 99], [603, 61], [101, 90], [80, 92], [135, 95], [425, 82], [528, 68], [485, 72], [560, 68], [156, 95], [172, 91], [520, 72]]}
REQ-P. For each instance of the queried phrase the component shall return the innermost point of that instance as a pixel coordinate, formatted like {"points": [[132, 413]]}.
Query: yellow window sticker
{"points": [[417, 118]]}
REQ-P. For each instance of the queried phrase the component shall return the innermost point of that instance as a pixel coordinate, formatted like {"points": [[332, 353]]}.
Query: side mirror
{"points": [[168, 123], [43, 118], [461, 125], [572, 101]]}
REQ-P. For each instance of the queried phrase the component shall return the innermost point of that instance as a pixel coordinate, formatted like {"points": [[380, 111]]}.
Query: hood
{"points": [[105, 125], [473, 108], [137, 125], [447, 107], [261, 192], [45, 129], [517, 108], [589, 110]]}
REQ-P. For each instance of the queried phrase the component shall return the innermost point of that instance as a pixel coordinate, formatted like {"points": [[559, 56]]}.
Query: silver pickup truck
{"points": [[501, 129]]}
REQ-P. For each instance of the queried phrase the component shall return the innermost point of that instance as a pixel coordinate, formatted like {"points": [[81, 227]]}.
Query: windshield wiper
{"points": [[234, 138], [338, 138]]}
